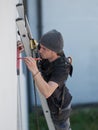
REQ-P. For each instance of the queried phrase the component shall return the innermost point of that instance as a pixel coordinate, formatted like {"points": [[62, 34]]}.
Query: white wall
{"points": [[77, 20], [8, 77], [9, 107]]}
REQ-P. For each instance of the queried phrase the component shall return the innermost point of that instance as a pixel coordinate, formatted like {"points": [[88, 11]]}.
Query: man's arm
{"points": [[45, 88]]}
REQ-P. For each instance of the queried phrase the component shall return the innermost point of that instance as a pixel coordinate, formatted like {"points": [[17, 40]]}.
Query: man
{"points": [[50, 77]]}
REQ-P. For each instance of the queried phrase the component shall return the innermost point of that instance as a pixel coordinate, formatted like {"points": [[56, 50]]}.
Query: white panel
{"points": [[8, 77]]}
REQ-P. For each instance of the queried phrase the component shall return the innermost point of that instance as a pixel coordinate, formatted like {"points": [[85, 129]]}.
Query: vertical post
{"points": [[39, 18], [19, 107]]}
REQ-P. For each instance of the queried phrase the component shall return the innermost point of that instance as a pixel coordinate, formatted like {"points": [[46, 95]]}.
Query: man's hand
{"points": [[31, 64]]}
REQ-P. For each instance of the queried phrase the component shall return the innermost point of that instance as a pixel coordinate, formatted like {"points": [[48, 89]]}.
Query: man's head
{"points": [[52, 40]]}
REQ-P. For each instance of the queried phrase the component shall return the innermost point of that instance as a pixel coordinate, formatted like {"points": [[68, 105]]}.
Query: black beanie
{"points": [[52, 40]]}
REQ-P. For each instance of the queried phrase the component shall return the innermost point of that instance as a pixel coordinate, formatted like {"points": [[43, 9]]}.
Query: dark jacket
{"points": [[58, 72]]}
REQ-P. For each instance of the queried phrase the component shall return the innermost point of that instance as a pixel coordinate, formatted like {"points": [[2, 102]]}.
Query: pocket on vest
{"points": [[62, 115]]}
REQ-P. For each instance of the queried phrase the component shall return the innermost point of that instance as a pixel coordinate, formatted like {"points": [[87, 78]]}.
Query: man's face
{"points": [[45, 53]]}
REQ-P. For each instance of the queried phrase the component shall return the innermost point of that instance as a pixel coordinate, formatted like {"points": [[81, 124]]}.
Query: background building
{"points": [[78, 23]]}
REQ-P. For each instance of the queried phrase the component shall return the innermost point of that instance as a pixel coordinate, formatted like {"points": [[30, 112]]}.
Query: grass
{"points": [[84, 119], [37, 120], [81, 119]]}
